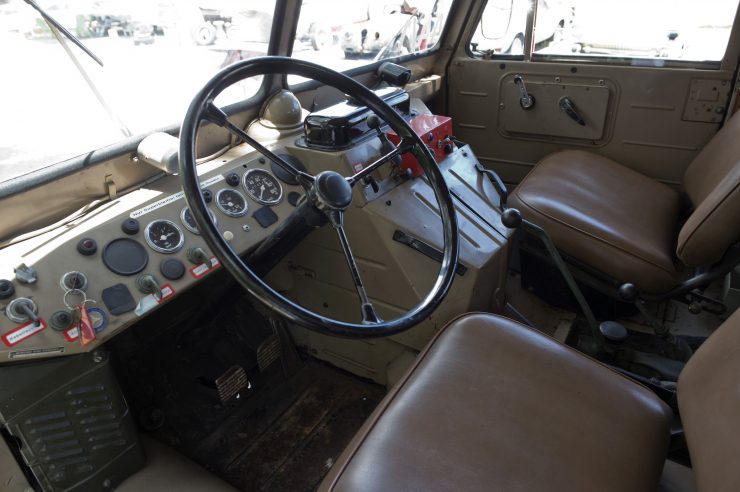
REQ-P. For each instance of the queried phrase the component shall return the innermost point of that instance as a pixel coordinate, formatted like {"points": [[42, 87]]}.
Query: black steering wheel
{"points": [[328, 195]]}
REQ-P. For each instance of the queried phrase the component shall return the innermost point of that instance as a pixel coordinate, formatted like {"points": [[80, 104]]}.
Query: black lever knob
{"points": [[511, 218], [613, 332], [628, 292], [373, 122]]}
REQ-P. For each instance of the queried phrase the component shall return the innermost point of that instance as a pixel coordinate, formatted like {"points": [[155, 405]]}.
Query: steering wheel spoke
{"points": [[369, 315], [402, 148], [216, 115]]}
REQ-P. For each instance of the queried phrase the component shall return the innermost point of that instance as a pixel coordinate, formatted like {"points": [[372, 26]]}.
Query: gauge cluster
{"points": [[132, 258]]}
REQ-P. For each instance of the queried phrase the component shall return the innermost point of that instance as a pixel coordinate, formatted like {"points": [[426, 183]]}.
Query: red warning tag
{"points": [[22, 332], [199, 270], [87, 332]]}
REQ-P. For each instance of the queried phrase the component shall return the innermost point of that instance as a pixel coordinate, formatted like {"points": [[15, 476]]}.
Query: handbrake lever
{"points": [[497, 183]]}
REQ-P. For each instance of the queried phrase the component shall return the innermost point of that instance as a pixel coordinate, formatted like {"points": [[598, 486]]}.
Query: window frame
{"points": [[728, 61], [372, 66]]}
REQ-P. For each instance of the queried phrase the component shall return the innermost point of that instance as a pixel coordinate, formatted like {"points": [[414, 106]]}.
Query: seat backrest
{"points": [[709, 403], [712, 182]]}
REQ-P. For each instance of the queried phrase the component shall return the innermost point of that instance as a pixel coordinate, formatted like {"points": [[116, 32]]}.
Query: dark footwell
{"points": [[282, 433]]}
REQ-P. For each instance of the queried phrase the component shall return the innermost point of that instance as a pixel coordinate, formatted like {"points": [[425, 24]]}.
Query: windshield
{"points": [[156, 55]]}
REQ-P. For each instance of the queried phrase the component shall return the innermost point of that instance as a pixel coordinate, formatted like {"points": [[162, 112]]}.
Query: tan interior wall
{"points": [[645, 126]]}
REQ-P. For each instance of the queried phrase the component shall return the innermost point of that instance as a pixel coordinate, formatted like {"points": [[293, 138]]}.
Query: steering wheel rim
{"points": [[202, 108]]}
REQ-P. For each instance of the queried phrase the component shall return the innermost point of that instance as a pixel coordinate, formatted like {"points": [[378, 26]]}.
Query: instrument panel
{"points": [[70, 289]]}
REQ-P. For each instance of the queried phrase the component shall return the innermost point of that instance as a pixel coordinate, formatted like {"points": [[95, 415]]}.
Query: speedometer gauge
{"points": [[231, 202], [164, 236], [189, 221], [263, 187]]}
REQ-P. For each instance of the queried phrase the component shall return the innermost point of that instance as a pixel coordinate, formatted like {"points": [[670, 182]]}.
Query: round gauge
{"points": [[231, 202], [263, 187], [189, 221], [164, 236]]}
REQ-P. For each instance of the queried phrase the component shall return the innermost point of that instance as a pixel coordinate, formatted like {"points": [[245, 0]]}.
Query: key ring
{"points": [[77, 292]]}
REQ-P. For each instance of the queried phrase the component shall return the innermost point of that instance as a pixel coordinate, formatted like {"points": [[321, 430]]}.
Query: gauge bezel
{"points": [[159, 249], [263, 202], [187, 226], [226, 212]]}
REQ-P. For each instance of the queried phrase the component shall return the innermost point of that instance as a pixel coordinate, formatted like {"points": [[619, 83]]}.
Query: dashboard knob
{"points": [[6, 289], [61, 320], [130, 226], [87, 246], [233, 179], [207, 196]]}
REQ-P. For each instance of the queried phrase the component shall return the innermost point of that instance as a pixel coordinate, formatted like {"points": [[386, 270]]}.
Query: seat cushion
{"points": [[612, 218], [494, 405], [167, 470]]}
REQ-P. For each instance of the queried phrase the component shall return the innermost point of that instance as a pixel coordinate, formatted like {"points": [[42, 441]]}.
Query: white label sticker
{"points": [[172, 198], [149, 302], [72, 334], [22, 332], [200, 270]]}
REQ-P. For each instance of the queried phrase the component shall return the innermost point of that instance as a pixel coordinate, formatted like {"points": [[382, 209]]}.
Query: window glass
{"points": [[344, 34], [692, 30], [156, 56]]}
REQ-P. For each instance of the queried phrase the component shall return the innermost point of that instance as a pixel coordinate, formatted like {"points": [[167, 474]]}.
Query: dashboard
{"points": [[72, 288], [69, 289]]}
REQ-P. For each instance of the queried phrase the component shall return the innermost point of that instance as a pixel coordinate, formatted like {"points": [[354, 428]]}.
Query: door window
{"points": [[687, 30]]}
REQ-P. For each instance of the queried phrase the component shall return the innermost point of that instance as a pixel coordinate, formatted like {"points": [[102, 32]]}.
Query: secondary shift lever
{"points": [[386, 146]]}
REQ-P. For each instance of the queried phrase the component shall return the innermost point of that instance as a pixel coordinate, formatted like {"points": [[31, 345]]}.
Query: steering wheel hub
{"points": [[332, 191]]}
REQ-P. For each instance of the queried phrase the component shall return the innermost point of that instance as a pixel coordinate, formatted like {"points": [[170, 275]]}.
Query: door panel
{"points": [[647, 113], [545, 118]]}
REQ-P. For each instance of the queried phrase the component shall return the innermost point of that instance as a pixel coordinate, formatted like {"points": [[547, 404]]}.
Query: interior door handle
{"points": [[567, 106]]}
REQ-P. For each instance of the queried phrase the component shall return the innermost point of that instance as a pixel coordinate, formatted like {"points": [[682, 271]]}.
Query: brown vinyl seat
{"points": [[494, 405], [625, 224]]}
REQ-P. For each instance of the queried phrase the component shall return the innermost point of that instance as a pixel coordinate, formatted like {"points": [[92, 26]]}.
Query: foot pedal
{"points": [[268, 352], [231, 383]]}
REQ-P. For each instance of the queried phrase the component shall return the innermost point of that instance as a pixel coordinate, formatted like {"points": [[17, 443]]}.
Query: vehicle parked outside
{"points": [[394, 28], [502, 26]]}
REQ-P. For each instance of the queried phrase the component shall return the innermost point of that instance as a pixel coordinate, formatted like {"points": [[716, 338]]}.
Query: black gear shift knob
{"points": [[373, 122], [511, 218]]}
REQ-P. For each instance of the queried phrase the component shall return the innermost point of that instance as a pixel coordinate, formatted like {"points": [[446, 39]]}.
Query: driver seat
{"points": [[494, 405]]}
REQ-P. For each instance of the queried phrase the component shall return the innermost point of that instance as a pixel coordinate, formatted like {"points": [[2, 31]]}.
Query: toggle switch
{"points": [[22, 310], [197, 255], [147, 284]]}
